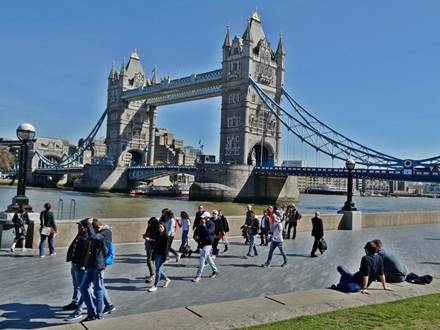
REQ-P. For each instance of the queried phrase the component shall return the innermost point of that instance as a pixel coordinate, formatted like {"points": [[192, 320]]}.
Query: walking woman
{"points": [[170, 226], [184, 223], [48, 230], [21, 222], [153, 226], [160, 251], [277, 241]]}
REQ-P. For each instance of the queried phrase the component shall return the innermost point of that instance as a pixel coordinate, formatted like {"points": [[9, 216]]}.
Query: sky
{"points": [[369, 69]]}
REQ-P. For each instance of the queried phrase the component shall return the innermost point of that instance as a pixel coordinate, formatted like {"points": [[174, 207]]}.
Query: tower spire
{"points": [[280, 48], [122, 72], [154, 78], [227, 43], [112, 73], [247, 34]]}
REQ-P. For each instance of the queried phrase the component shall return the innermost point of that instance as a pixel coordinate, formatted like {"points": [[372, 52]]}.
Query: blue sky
{"points": [[370, 69]]}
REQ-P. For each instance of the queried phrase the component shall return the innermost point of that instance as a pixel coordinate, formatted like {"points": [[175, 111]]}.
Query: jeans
{"points": [[264, 236], [51, 245], [205, 256], [215, 246], [159, 260], [252, 245], [184, 240], [289, 227], [274, 245], [95, 276], [150, 261], [346, 276]]}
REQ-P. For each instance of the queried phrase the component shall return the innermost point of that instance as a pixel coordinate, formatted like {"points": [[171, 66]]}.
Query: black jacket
{"points": [[318, 227], [225, 223], [197, 219], [99, 244], [255, 225], [47, 220], [159, 243], [202, 235], [76, 251]]}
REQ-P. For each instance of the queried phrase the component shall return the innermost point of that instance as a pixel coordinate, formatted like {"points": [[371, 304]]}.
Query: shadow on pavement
{"points": [[19, 316], [125, 288], [430, 263], [298, 255]]}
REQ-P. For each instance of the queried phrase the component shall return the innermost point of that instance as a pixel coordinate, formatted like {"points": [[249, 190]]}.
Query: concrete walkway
{"points": [[256, 311], [33, 289]]}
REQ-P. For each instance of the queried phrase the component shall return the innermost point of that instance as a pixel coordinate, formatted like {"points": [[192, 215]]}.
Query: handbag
{"points": [[322, 244], [46, 231]]}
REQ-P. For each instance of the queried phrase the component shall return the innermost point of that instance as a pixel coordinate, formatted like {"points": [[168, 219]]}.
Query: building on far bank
{"points": [[170, 150]]}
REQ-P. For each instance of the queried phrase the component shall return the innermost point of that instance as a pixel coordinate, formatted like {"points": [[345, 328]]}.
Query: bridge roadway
{"points": [[34, 289]]}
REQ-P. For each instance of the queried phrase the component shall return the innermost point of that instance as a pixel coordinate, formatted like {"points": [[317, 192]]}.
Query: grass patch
{"points": [[413, 313]]}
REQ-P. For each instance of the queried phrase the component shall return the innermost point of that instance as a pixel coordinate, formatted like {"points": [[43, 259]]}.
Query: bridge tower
{"points": [[249, 134], [130, 124]]}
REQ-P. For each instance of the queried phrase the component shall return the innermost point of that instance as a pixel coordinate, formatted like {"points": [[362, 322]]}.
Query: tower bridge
{"points": [[250, 84]]}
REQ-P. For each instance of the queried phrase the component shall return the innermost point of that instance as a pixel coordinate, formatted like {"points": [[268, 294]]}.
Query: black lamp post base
{"points": [[349, 206], [19, 200]]}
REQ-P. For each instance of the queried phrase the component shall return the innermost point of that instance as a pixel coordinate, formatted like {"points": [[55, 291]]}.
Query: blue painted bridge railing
{"points": [[419, 175], [149, 172]]}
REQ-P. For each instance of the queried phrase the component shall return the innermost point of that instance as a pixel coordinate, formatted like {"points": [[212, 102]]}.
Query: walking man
{"points": [[203, 238], [277, 240], [252, 233], [317, 233]]}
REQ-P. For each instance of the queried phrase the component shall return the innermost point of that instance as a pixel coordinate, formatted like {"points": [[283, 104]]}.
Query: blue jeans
{"points": [[95, 276], [159, 260], [274, 245], [205, 256], [77, 278], [184, 240], [347, 282], [346, 276], [51, 246], [252, 245]]}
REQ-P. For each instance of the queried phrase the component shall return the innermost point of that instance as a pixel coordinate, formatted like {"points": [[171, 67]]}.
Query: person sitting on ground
{"points": [[371, 269], [21, 222], [394, 270]]}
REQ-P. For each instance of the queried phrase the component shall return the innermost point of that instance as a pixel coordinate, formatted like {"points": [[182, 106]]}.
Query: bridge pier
{"points": [[103, 178], [239, 183]]}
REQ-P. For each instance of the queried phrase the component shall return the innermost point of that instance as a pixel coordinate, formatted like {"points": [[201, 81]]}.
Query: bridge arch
{"points": [[137, 157], [261, 154]]}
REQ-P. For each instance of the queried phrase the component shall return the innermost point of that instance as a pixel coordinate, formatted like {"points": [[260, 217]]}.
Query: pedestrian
{"points": [[99, 241], [197, 220], [219, 231], [170, 226], [317, 233], [292, 217], [225, 225], [184, 224], [277, 240], [152, 227], [203, 238], [371, 269], [394, 270], [48, 230], [160, 240], [253, 231], [264, 229], [247, 222], [21, 222]]}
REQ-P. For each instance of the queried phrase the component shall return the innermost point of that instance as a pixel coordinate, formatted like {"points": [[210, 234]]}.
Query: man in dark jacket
{"points": [[317, 233], [203, 237], [254, 226], [99, 240]]}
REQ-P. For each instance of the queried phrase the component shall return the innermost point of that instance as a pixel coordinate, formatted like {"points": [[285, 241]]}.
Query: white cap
{"points": [[206, 215]]}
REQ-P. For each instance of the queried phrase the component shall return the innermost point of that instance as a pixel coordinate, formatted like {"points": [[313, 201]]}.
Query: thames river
{"points": [[109, 205]]}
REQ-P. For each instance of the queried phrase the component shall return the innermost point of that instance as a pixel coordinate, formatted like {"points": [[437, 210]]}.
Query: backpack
{"points": [[298, 216], [416, 279], [110, 254]]}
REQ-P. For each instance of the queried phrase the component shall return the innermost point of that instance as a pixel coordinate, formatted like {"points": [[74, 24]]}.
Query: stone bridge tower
{"points": [[130, 125], [249, 133]]}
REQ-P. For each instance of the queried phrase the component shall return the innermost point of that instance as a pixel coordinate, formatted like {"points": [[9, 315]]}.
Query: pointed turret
{"points": [[122, 72], [280, 48], [227, 43], [154, 78], [112, 74], [247, 38]]}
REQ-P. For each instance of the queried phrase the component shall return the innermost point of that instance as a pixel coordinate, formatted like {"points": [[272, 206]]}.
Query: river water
{"points": [[110, 205]]}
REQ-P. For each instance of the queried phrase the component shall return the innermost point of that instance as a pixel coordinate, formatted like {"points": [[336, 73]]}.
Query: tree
{"points": [[6, 158]]}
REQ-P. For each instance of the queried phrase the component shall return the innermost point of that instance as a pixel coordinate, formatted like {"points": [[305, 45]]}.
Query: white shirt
{"points": [[277, 231]]}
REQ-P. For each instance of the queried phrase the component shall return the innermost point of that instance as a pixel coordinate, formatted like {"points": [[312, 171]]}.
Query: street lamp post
{"points": [[350, 164], [26, 134]]}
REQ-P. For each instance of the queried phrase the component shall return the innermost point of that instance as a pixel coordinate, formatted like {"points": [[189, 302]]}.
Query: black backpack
{"points": [[416, 279]]}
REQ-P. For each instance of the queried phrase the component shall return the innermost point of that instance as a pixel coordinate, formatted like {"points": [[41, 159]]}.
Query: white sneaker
{"points": [[23, 250], [167, 282], [152, 289], [178, 257], [196, 279]]}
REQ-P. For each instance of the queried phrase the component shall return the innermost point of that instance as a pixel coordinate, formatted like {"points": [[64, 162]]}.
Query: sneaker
{"points": [[42, 256], [12, 250], [313, 256], [109, 309], [167, 282], [152, 289], [70, 307], [90, 318], [74, 316], [248, 255], [150, 279], [214, 274], [23, 250], [177, 257], [196, 279], [284, 264], [265, 265], [53, 254]]}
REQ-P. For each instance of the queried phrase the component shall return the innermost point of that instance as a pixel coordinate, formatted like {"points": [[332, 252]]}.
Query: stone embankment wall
{"points": [[130, 230]]}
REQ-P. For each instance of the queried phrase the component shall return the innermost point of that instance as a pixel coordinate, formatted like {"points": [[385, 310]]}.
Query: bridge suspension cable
{"points": [[73, 159]]}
